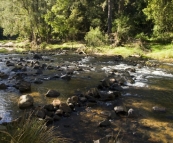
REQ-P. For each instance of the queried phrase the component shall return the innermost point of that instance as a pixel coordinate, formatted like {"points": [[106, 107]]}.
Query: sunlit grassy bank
{"points": [[124, 51], [161, 52], [152, 50]]}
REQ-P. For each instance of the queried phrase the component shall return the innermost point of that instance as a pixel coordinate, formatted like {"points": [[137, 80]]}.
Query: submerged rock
{"points": [[93, 92], [108, 114], [3, 86], [159, 109], [3, 75], [38, 81], [23, 86], [104, 123], [3, 128], [9, 64], [66, 77], [37, 56]]}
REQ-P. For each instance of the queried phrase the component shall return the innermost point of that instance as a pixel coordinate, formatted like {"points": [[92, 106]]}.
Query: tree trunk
{"points": [[120, 7], [109, 17]]}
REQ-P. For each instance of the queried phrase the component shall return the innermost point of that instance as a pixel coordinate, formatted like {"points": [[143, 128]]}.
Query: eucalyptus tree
{"points": [[128, 19], [72, 18], [109, 17], [25, 18], [161, 13]]}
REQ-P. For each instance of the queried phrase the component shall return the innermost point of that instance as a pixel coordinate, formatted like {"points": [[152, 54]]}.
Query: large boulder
{"points": [[52, 93], [25, 101]]}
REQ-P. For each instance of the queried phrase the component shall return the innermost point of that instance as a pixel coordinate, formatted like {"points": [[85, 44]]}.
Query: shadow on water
{"points": [[82, 125], [157, 124]]}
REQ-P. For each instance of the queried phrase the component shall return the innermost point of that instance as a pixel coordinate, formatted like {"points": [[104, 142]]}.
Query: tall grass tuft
{"points": [[31, 130]]}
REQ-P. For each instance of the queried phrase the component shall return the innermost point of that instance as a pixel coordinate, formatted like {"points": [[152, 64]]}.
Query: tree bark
{"points": [[109, 16]]}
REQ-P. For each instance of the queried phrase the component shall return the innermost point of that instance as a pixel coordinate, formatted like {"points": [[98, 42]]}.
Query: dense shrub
{"points": [[95, 37]]}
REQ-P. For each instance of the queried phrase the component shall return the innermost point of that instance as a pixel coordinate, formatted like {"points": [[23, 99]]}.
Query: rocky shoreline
{"points": [[99, 109]]}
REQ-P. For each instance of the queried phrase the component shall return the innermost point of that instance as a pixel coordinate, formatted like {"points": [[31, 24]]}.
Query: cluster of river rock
{"points": [[107, 92]]}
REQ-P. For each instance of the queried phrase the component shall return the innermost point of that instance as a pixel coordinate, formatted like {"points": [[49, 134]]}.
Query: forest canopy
{"points": [[49, 20]]}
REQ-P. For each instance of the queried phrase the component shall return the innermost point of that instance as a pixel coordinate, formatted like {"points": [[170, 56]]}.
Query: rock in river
{"points": [[25, 101], [65, 108], [56, 102], [120, 110], [159, 109], [52, 93], [23, 86], [3, 86], [104, 123]]}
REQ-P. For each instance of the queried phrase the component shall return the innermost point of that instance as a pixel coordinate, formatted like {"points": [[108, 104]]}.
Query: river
{"points": [[153, 87]]}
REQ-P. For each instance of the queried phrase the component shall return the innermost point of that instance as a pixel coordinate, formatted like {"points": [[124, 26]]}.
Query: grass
{"points": [[69, 45], [124, 51], [30, 130], [161, 52], [4, 50], [153, 51]]}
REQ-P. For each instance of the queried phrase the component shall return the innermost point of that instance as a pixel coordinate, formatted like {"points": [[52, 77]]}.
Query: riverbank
{"points": [[155, 51]]}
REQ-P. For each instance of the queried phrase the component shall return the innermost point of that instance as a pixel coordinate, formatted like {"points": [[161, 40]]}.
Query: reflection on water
{"points": [[153, 87], [8, 108]]}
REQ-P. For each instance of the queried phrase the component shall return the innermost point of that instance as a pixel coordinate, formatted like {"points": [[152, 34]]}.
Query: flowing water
{"points": [[153, 87]]}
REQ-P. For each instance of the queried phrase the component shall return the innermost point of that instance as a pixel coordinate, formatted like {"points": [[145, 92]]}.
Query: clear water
{"points": [[153, 87]]}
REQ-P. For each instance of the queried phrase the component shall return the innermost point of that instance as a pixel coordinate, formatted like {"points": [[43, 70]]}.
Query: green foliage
{"points": [[142, 37], [43, 45], [121, 27], [24, 18], [95, 37], [3, 50], [161, 13], [65, 20], [95, 22]]}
